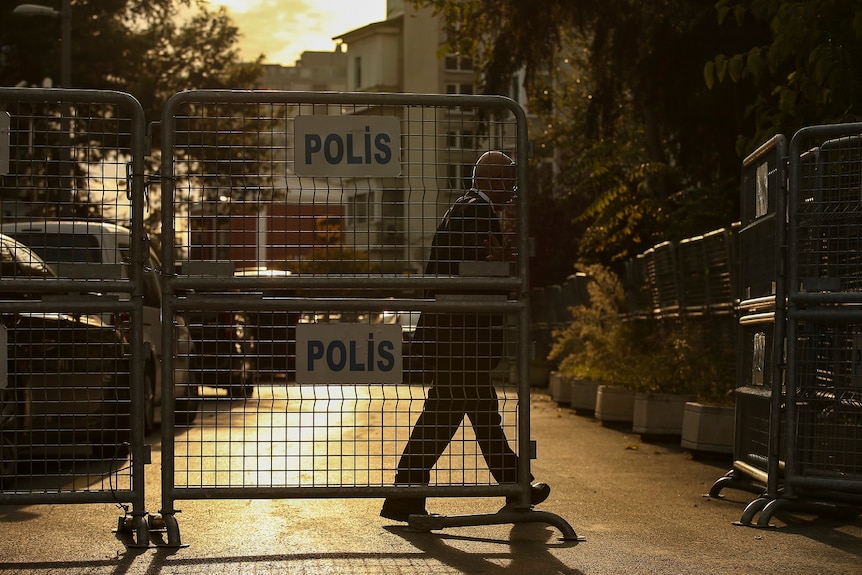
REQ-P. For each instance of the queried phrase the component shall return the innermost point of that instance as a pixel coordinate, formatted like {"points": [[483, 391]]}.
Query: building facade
{"points": [[400, 54]]}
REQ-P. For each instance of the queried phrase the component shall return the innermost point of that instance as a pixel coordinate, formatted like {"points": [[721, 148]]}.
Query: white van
{"points": [[90, 249]]}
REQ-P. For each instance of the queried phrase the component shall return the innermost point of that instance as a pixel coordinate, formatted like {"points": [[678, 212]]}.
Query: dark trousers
{"points": [[453, 395]]}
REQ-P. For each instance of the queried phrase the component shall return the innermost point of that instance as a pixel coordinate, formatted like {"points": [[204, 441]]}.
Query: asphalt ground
{"points": [[639, 506]]}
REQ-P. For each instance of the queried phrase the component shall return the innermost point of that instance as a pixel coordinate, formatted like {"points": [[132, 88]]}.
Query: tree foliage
{"points": [[647, 355], [148, 48], [805, 71], [645, 149]]}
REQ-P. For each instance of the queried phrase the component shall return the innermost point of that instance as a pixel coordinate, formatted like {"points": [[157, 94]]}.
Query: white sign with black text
{"points": [[348, 353], [347, 146]]}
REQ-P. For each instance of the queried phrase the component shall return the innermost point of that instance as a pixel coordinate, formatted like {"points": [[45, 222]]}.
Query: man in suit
{"points": [[459, 350]]}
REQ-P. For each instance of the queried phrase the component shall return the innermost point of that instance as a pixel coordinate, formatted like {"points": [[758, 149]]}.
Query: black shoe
{"points": [[401, 509], [538, 493]]}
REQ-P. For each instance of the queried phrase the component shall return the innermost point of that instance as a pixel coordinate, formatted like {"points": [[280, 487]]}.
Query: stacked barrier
{"points": [[805, 354], [759, 393], [824, 261]]}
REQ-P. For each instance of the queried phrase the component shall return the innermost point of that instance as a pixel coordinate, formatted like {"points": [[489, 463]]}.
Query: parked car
{"points": [[224, 353], [76, 249], [274, 331], [64, 383]]}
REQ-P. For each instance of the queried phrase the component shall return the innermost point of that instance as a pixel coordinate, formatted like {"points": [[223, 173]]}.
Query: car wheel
{"points": [[186, 407]]}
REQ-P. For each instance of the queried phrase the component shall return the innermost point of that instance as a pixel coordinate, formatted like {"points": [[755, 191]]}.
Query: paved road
{"points": [[639, 506]]}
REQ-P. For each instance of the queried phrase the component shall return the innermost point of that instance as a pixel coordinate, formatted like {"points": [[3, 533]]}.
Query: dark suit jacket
{"points": [[466, 342]]}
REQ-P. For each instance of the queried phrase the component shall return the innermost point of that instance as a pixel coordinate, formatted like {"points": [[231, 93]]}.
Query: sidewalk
{"points": [[639, 506]]}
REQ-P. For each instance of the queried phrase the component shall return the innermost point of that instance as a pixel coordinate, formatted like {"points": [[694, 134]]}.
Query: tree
{"points": [[805, 71], [639, 138], [148, 48]]}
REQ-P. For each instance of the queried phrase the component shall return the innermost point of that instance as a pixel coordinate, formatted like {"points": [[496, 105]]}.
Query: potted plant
{"points": [[583, 394], [640, 371], [559, 387], [707, 428], [615, 405], [665, 379], [574, 391], [709, 421], [592, 350]]}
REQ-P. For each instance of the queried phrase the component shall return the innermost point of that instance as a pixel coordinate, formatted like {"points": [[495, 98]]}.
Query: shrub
{"points": [[680, 355]]}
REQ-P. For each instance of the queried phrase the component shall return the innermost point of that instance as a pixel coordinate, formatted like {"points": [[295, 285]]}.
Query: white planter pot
{"points": [[559, 388], [615, 405], [583, 395], [708, 428], [659, 414]]}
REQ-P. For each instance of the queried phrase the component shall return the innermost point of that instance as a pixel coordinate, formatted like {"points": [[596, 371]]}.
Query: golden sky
{"points": [[283, 29]]}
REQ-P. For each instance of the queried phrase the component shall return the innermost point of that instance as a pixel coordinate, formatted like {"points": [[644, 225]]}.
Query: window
{"points": [[362, 207], [63, 247], [456, 63], [357, 72], [19, 263], [460, 176], [392, 216], [460, 140], [459, 88]]}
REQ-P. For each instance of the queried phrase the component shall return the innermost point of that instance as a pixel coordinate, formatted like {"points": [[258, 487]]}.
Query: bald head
{"points": [[495, 174]]}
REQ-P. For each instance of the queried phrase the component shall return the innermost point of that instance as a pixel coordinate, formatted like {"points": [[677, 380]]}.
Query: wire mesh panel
{"points": [[371, 312], [663, 270], [639, 302], [706, 272], [753, 440], [825, 267], [575, 293], [554, 302], [70, 297], [763, 188], [829, 240], [760, 314], [829, 441]]}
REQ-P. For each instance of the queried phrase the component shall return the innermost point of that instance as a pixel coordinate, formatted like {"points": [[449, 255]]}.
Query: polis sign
{"points": [[347, 146], [348, 353]]}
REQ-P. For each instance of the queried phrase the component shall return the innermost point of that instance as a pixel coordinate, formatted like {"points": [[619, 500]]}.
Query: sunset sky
{"points": [[283, 29]]}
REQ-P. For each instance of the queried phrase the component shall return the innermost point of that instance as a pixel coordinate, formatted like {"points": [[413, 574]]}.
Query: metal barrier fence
{"points": [[760, 392], [691, 278], [550, 310], [296, 228], [809, 453], [824, 392], [71, 300]]}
